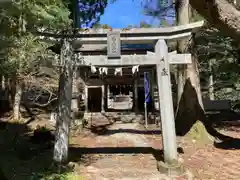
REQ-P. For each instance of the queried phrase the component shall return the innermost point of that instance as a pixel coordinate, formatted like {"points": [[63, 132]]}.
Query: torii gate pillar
{"points": [[166, 106]]}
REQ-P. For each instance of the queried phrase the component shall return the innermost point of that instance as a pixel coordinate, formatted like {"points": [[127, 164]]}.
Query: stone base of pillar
{"points": [[174, 169]]}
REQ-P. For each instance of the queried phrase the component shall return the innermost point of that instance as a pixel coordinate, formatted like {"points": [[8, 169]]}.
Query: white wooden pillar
{"points": [[75, 91], [166, 103], [103, 98], [86, 98]]}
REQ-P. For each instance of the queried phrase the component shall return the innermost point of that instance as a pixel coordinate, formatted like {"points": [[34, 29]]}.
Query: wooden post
{"points": [[135, 93], [165, 103], [75, 98], [103, 99], [64, 104], [86, 98], [75, 91], [106, 92]]}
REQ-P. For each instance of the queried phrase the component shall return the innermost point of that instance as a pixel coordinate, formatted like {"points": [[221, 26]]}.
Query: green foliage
{"points": [[223, 52], [25, 55], [34, 14], [85, 13], [21, 50], [209, 45], [51, 15]]}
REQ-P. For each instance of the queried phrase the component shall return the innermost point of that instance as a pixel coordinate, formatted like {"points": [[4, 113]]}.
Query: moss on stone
{"points": [[199, 133]]}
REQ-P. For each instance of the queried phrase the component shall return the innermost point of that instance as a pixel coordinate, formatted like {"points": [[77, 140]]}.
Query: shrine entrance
{"points": [[94, 99], [119, 97], [102, 69], [120, 89], [122, 65]]}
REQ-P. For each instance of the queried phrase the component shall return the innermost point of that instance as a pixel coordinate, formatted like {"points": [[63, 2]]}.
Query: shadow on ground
{"points": [[22, 159], [231, 144], [76, 152], [227, 142], [104, 131], [231, 124]]}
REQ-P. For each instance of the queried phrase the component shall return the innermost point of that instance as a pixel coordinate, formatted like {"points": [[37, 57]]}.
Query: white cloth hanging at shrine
{"points": [[100, 70], [93, 69], [103, 70], [118, 71], [135, 69]]}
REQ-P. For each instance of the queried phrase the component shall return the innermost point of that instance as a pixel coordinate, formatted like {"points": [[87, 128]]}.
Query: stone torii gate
{"points": [[161, 58]]}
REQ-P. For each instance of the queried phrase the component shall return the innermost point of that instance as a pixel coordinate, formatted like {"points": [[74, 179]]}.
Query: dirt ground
{"points": [[118, 151], [129, 151]]}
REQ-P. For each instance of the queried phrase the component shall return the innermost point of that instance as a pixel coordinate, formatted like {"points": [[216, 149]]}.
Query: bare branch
{"points": [[46, 104]]}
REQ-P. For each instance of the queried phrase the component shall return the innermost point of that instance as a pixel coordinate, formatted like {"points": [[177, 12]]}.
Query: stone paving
{"points": [[125, 155]]}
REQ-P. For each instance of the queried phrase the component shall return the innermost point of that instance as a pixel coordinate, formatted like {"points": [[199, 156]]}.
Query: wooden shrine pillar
{"points": [[135, 94], [75, 91], [86, 98], [166, 103], [103, 99], [106, 92]]}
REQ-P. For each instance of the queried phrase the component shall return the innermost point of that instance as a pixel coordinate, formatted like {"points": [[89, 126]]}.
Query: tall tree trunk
{"points": [[182, 10], [17, 100], [221, 14], [190, 113], [64, 105], [190, 116]]}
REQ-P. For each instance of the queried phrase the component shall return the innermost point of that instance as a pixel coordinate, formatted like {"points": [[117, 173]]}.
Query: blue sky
{"points": [[122, 13]]}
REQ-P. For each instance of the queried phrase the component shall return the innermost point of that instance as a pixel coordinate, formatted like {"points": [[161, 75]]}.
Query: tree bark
{"points": [[182, 11], [64, 105], [221, 14], [190, 113], [190, 116], [17, 100]]}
